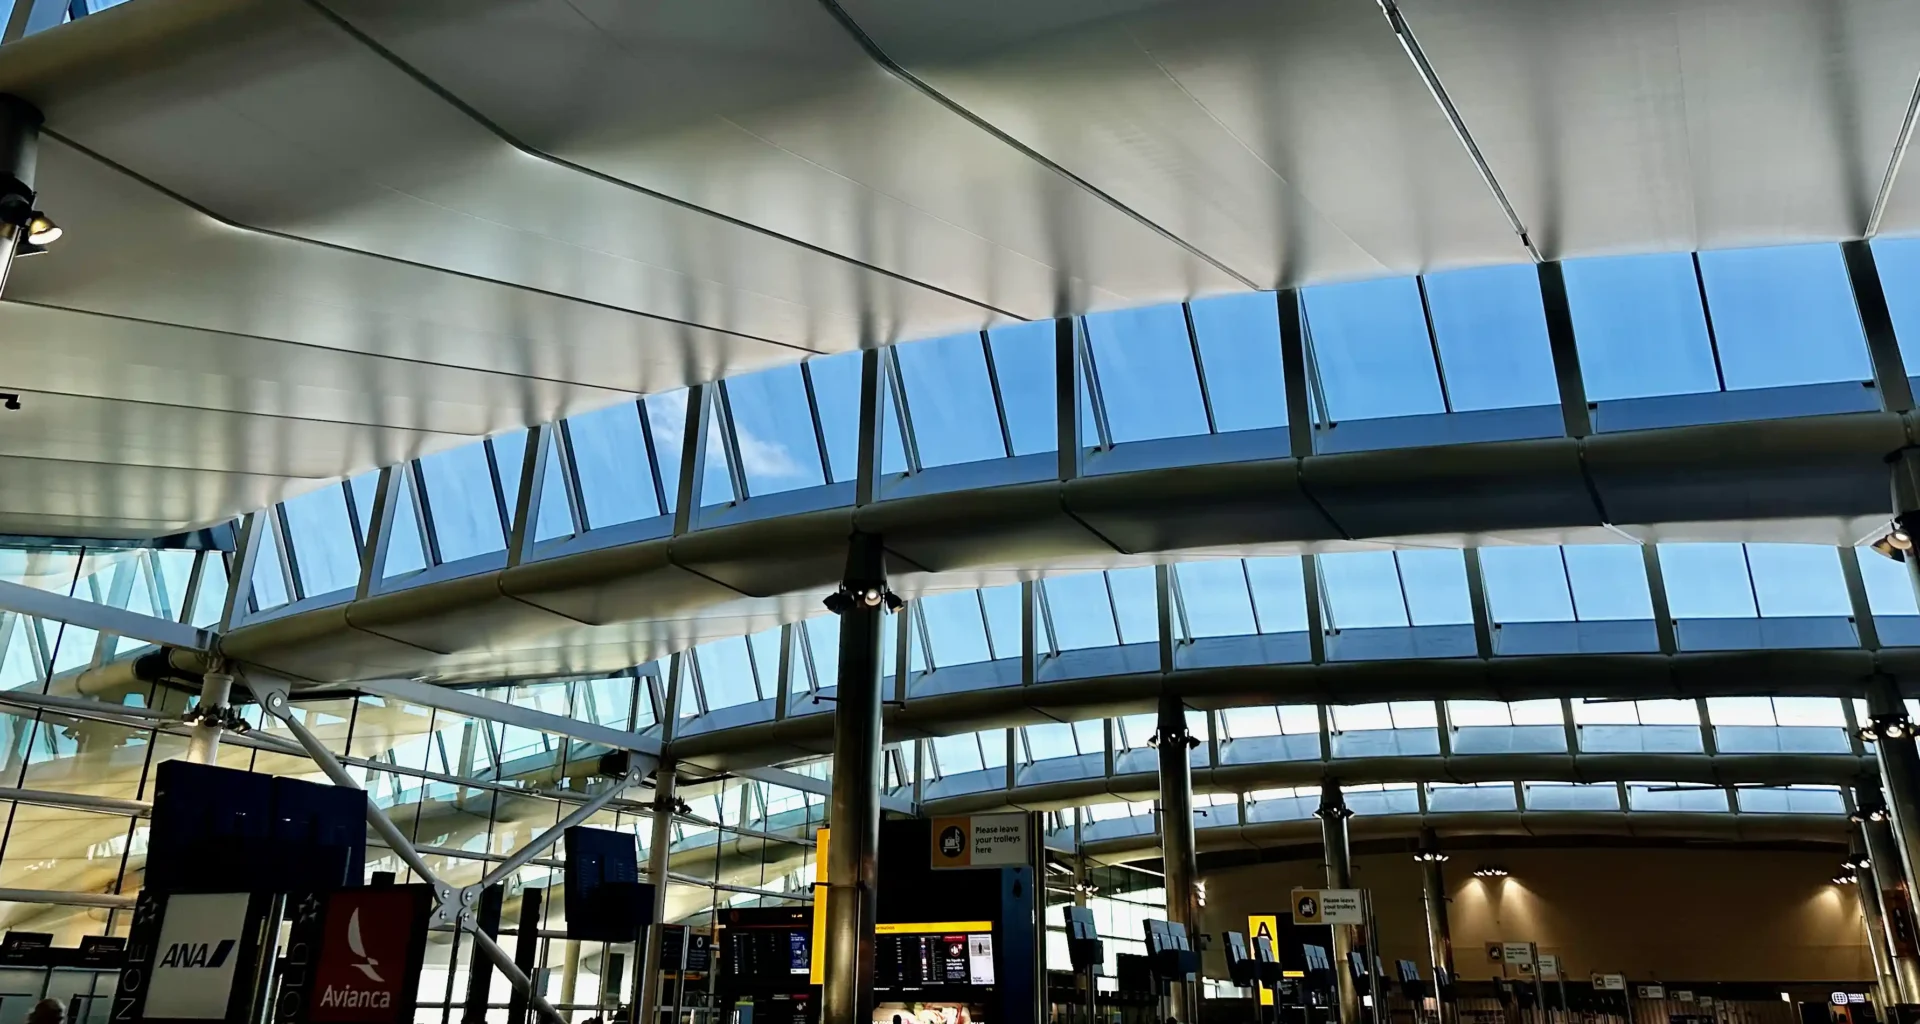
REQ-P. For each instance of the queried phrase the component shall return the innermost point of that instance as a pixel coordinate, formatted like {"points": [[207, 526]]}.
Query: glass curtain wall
{"points": [[468, 792], [1664, 340]]}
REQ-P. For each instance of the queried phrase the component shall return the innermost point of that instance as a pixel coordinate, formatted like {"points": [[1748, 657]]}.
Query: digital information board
{"points": [[933, 958]]}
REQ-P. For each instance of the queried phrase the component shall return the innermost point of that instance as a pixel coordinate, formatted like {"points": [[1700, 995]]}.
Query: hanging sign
{"points": [[1328, 906], [1519, 954], [191, 957], [1610, 982], [980, 841]]}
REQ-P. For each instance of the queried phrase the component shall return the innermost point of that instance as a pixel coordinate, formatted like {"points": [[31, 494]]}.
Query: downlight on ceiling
{"points": [[1431, 857], [1490, 871]]}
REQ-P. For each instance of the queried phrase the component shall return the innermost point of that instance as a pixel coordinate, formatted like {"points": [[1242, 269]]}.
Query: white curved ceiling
{"points": [[309, 238]]}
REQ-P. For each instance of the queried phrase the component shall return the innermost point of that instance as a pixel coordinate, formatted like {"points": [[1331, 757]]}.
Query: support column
{"points": [[647, 954], [216, 693], [1890, 896], [854, 814], [1433, 894], [1867, 887], [1333, 815], [19, 145], [1181, 864], [1892, 735]]}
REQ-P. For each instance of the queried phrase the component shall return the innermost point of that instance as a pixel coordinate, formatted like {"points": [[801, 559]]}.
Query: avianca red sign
{"points": [[365, 973]]}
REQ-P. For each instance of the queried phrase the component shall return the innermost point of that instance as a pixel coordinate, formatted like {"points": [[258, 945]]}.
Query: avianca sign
{"points": [[367, 966]]}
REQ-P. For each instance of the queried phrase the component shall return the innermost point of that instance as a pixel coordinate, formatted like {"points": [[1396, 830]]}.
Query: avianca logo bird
{"points": [[360, 949]]}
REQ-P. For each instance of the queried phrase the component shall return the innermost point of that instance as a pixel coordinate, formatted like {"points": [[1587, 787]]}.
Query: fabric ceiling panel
{"points": [[1654, 125], [1294, 142], [771, 113], [292, 124], [132, 251], [108, 433], [136, 361], [38, 496]]}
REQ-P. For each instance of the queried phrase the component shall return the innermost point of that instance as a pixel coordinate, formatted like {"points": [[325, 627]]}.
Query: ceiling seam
{"points": [[1418, 56], [316, 347], [1899, 157], [228, 222], [25, 392], [893, 68], [169, 469], [474, 114]]}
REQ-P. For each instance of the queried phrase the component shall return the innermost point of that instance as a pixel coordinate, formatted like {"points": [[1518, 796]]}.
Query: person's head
{"points": [[46, 1011]]}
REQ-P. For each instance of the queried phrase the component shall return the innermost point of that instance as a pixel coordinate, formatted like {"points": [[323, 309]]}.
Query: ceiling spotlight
{"points": [[1857, 862], [41, 230], [1894, 730], [1864, 814], [1430, 857], [1490, 871], [1844, 879]]}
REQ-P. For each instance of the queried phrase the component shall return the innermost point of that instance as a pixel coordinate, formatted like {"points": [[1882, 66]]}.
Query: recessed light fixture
{"points": [[1490, 871]]}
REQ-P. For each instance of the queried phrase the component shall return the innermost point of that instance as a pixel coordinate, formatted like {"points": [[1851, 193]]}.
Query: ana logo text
{"points": [[197, 954]]}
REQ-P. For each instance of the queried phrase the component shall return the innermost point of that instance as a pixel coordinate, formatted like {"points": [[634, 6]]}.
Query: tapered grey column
{"points": [[1867, 887], [1890, 896], [1180, 862], [1892, 736], [1333, 815], [854, 815], [646, 957], [1433, 895], [19, 146]]}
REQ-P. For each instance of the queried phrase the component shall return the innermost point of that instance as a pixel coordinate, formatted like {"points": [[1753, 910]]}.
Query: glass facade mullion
{"points": [[1199, 368], [903, 411], [729, 432], [819, 428], [1090, 382], [1433, 343], [999, 397]]}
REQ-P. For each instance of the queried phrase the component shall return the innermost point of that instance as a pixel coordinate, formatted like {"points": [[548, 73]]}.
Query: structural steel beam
{"points": [[44, 604], [77, 802], [462, 702], [1713, 770], [818, 787]]}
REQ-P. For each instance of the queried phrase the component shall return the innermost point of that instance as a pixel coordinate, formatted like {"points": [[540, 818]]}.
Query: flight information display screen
{"points": [[910, 959], [766, 950]]}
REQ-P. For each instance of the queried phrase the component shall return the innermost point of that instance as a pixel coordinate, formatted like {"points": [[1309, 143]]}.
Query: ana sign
{"points": [[980, 841], [198, 957], [1610, 982], [1519, 954], [1549, 965], [1653, 991], [1329, 906]]}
